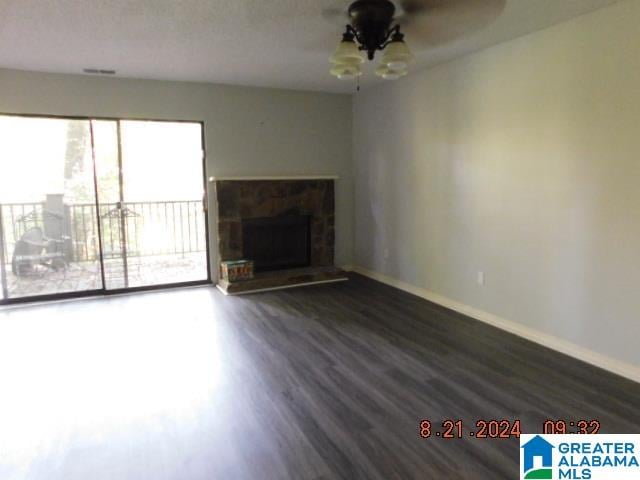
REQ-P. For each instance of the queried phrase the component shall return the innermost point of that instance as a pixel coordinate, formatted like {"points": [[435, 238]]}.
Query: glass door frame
{"points": [[104, 291]]}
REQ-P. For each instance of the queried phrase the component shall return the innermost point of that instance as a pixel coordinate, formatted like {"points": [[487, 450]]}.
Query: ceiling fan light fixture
{"points": [[397, 55], [378, 27], [346, 71], [389, 74], [347, 52], [372, 27]]}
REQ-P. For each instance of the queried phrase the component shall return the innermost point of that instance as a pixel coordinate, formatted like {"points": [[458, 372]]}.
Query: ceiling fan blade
{"points": [[336, 15], [413, 7], [337, 12], [434, 22]]}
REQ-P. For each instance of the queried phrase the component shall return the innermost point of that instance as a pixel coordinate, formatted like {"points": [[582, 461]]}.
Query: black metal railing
{"points": [[150, 228]]}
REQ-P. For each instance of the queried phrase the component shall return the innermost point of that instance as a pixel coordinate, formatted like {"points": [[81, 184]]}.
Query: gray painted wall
{"points": [[521, 161], [249, 131]]}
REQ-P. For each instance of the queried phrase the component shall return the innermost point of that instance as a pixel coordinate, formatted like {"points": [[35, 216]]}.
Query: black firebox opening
{"points": [[276, 243]]}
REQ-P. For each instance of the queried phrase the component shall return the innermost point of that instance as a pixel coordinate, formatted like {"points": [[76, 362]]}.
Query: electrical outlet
{"points": [[385, 253], [481, 279]]}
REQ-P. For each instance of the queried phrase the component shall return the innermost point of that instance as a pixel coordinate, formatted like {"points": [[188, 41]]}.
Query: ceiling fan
{"points": [[380, 25]]}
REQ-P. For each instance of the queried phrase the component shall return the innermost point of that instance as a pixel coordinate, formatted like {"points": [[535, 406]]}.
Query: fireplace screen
{"points": [[276, 243]]}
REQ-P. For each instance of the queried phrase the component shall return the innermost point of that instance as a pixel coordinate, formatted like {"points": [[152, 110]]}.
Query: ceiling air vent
{"points": [[98, 71]]}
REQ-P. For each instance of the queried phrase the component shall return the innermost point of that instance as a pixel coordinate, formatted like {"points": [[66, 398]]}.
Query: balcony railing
{"points": [[150, 228]]}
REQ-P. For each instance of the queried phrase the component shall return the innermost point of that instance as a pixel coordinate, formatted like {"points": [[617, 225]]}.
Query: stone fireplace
{"points": [[285, 226]]}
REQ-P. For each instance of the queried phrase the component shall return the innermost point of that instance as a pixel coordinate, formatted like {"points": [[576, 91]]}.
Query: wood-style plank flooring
{"points": [[325, 382]]}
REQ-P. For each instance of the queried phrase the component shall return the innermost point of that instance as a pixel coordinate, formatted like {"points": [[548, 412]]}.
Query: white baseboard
{"points": [[627, 370]]}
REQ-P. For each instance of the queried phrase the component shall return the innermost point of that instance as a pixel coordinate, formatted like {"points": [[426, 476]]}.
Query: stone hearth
{"points": [[239, 200]]}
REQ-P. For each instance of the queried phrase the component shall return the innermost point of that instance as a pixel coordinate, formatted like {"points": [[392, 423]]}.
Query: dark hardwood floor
{"points": [[324, 382]]}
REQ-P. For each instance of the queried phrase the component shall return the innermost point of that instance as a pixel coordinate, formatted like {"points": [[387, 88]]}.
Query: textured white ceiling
{"points": [[269, 43]]}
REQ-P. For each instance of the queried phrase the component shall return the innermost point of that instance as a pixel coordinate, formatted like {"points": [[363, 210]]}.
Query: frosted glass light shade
{"points": [[347, 53], [346, 72], [388, 74], [397, 56]]}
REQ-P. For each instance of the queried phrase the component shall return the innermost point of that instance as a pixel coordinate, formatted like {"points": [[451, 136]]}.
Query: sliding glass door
{"points": [[98, 205], [150, 188], [48, 227]]}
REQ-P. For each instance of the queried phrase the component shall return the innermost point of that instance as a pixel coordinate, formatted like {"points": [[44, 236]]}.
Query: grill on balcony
{"points": [[162, 242]]}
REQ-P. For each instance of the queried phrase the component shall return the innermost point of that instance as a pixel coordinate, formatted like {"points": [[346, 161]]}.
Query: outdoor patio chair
{"points": [[35, 249]]}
